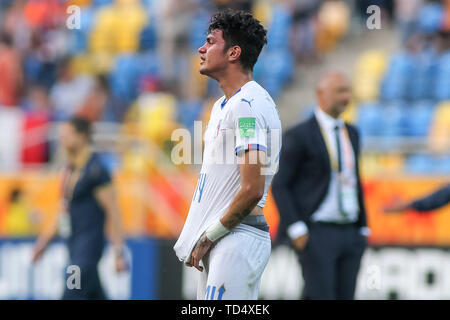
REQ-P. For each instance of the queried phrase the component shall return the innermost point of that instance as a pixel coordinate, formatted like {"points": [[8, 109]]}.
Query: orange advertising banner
{"points": [[157, 205], [408, 228]]}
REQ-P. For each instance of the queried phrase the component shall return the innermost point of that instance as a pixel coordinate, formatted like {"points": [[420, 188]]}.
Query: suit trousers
{"points": [[331, 260]]}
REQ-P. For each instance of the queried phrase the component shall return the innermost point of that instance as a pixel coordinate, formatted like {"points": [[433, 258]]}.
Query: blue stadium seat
{"points": [[393, 124], [395, 116], [442, 82], [110, 160], [148, 38], [279, 29], [80, 36], [149, 63], [424, 74], [124, 78], [428, 164], [188, 112], [419, 119], [100, 3], [420, 164], [370, 120], [431, 17], [396, 82], [273, 70], [199, 28], [444, 166]]}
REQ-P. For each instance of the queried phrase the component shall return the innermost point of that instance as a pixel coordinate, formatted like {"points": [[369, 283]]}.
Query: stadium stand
{"points": [[131, 67]]}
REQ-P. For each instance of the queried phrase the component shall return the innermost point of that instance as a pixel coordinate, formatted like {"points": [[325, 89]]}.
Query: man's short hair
{"points": [[240, 28], [82, 126]]}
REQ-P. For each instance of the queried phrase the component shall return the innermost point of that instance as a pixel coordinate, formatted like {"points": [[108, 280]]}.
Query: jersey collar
{"points": [[224, 102]]}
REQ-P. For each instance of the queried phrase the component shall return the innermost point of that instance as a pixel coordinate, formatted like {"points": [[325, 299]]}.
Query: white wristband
{"points": [[297, 229], [216, 231]]}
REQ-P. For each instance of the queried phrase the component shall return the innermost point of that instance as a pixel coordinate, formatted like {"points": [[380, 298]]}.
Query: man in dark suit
{"points": [[319, 196]]}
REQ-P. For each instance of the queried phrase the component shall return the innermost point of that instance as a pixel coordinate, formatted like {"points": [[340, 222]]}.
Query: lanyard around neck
{"points": [[333, 161]]}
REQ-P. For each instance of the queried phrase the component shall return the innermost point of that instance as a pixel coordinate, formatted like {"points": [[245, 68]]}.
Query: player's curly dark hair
{"points": [[240, 28]]}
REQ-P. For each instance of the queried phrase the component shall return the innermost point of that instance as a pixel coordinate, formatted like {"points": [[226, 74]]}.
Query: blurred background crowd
{"points": [[132, 68]]}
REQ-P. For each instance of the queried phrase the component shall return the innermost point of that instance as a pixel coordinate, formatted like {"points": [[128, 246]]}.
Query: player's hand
{"points": [[200, 250], [396, 207], [300, 242], [120, 264]]}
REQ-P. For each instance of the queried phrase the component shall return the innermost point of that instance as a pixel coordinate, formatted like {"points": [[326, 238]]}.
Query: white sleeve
{"points": [[249, 130]]}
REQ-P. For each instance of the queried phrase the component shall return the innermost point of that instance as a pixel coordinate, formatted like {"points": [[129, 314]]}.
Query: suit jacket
{"points": [[304, 174], [433, 201]]}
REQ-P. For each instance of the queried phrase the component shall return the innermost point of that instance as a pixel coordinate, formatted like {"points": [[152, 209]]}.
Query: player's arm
{"points": [[433, 201], [251, 191], [46, 237], [245, 200], [106, 197]]}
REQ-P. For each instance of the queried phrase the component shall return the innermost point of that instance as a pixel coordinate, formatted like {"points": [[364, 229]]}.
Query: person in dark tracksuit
{"points": [[89, 200], [433, 201], [319, 196]]}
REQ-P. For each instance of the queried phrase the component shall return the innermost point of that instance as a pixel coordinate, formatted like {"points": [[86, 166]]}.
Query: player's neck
{"points": [[79, 158], [233, 81]]}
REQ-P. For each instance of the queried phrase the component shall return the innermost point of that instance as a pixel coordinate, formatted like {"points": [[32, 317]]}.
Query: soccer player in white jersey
{"points": [[225, 235]]}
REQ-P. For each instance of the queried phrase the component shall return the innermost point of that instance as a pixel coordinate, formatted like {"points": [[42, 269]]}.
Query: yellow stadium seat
{"points": [[17, 222], [373, 62], [333, 24], [392, 163], [100, 39], [439, 138], [81, 64], [369, 165], [129, 20], [350, 113], [126, 2], [369, 71], [95, 63], [101, 62], [198, 83], [80, 3], [118, 27], [157, 116], [262, 10]]}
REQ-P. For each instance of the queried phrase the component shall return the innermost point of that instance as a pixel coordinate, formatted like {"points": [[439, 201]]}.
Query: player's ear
{"points": [[234, 53]]}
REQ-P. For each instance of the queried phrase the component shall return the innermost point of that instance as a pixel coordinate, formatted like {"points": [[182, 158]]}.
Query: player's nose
{"points": [[202, 49]]}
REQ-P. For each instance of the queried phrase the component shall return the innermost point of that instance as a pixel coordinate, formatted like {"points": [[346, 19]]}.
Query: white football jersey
{"points": [[248, 121]]}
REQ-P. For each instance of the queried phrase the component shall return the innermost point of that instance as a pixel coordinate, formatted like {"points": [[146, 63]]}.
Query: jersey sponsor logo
{"points": [[248, 101], [247, 127]]}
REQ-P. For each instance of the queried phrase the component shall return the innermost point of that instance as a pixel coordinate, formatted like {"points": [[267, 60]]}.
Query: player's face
{"points": [[70, 139], [212, 54]]}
